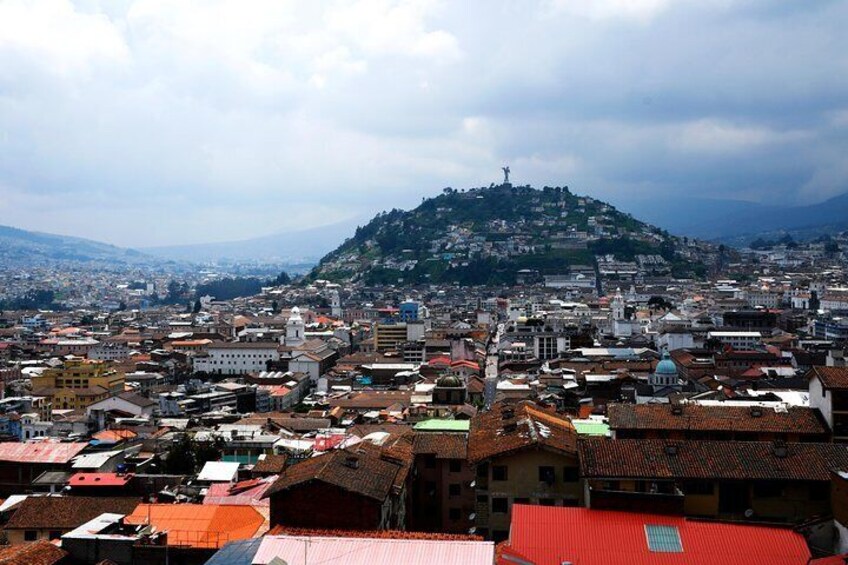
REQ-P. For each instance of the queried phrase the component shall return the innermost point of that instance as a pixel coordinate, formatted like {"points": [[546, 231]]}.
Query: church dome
{"points": [[666, 366], [449, 381]]}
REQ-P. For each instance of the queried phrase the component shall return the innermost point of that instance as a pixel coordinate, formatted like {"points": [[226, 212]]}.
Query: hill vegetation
{"points": [[487, 235]]}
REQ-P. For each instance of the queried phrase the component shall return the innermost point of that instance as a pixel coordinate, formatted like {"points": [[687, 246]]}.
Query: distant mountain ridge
{"points": [[739, 222], [22, 247], [488, 235]]}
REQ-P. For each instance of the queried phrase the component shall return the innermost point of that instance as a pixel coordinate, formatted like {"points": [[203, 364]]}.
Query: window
{"points": [[500, 505], [521, 500], [483, 470], [570, 474], [430, 462], [499, 473], [663, 539], [454, 514], [55, 534], [455, 466], [547, 502], [547, 474], [30, 535]]}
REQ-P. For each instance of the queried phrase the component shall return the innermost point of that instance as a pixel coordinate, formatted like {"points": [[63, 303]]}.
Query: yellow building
{"points": [[78, 384], [389, 336]]}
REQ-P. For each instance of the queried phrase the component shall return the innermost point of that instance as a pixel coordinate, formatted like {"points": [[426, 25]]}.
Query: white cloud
{"points": [[51, 34], [717, 136], [220, 116]]}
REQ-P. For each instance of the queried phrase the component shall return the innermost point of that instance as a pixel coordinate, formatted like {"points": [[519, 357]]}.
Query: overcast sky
{"points": [[155, 122]]}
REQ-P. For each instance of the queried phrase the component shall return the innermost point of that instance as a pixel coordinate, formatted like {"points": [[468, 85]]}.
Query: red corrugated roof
{"points": [[442, 360], [44, 452], [99, 480], [554, 535]]}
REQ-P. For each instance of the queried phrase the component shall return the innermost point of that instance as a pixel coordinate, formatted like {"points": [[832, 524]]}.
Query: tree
{"points": [[179, 459], [831, 248], [659, 302], [197, 306], [281, 279]]}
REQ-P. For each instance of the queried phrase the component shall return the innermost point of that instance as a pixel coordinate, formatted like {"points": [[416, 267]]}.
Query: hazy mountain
{"points": [[21, 247], [305, 246], [737, 221], [486, 235]]}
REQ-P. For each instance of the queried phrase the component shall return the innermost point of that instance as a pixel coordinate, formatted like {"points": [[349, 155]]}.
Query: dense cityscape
{"points": [[146, 418]]}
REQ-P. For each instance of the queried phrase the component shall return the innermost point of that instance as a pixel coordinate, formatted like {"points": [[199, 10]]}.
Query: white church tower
{"points": [[336, 304], [295, 328], [617, 306]]}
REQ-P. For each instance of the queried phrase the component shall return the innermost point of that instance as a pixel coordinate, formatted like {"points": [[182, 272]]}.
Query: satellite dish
{"points": [[749, 513]]}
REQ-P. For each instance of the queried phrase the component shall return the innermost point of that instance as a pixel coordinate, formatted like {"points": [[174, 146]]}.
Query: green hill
{"points": [[486, 235]]}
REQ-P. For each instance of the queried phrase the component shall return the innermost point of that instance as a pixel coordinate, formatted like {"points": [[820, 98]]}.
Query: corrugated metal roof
{"points": [[246, 493], [40, 452], [99, 480], [554, 535], [440, 425], [94, 460], [300, 550], [236, 553], [199, 525], [219, 471]]}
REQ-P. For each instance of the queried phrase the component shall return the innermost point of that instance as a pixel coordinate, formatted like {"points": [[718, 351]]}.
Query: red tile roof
{"points": [[831, 377], [442, 445], [510, 427], [691, 459], [362, 473], [271, 464], [547, 535], [65, 512], [798, 420], [40, 552]]}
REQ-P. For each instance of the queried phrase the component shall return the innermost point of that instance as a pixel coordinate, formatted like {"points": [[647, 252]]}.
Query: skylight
{"points": [[663, 539]]}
